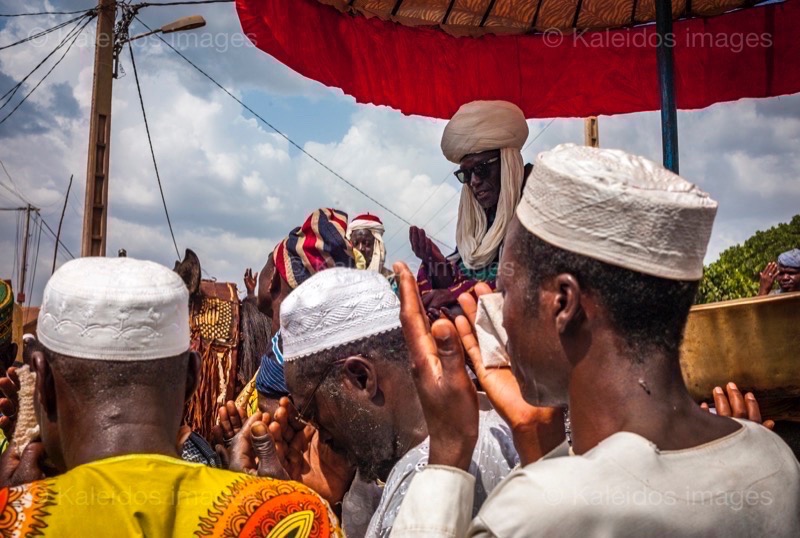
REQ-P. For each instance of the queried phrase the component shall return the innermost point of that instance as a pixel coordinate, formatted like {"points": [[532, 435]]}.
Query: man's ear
{"points": [[567, 302], [192, 374], [361, 374], [45, 384]]}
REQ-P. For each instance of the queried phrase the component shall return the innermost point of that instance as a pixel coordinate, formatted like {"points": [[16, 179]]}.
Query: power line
{"points": [[45, 32], [15, 190], [152, 152], [186, 3], [9, 15], [48, 73], [53, 235], [283, 135], [13, 90]]}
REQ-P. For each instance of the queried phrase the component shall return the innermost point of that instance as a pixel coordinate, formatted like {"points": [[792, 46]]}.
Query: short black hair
{"points": [[109, 376], [389, 346], [648, 312]]}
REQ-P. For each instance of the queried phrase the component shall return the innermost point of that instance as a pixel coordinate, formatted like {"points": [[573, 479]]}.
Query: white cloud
{"points": [[234, 187]]}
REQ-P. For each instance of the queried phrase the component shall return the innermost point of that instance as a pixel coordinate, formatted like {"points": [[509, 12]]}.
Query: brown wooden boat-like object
{"points": [[754, 342]]}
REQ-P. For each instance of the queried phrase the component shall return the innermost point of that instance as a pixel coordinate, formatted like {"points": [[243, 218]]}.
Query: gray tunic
{"points": [[493, 459]]}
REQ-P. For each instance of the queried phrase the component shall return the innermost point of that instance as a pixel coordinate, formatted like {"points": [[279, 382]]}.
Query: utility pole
{"points": [[95, 213], [591, 134], [24, 266]]}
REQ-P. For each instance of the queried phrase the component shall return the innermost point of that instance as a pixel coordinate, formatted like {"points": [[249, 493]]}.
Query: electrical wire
{"points": [[9, 15], [285, 136], [15, 190], [54, 236], [13, 90], [181, 3], [45, 32], [74, 39], [152, 152]]}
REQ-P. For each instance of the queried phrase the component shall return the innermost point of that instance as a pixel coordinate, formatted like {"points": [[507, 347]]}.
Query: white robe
{"points": [[744, 484]]}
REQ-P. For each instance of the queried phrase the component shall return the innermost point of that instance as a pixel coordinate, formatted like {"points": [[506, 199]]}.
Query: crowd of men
{"points": [[526, 385]]}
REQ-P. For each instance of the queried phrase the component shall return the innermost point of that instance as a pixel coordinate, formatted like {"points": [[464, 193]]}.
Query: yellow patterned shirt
{"points": [[159, 496]]}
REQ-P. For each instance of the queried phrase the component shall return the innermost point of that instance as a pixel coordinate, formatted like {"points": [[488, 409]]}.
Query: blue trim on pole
{"points": [[666, 81]]}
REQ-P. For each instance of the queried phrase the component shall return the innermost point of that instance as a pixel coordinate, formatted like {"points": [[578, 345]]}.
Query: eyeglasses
{"points": [[481, 170], [301, 413]]}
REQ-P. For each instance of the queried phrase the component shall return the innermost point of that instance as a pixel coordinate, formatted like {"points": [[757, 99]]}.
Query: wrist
{"points": [[456, 454]]}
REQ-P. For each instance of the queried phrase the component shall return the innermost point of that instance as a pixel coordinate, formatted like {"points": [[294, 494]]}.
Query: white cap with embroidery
{"points": [[115, 309], [336, 307], [620, 209]]}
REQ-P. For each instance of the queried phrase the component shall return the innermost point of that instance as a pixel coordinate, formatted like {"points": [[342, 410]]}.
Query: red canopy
{"points": [[753, 52]]}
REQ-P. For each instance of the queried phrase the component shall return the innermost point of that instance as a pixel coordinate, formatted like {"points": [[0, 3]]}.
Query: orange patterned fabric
{"points": [[477, 17], [23, 510], [252, 509]]}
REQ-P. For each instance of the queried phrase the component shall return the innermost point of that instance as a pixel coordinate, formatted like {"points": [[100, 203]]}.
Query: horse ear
{"points": [[189, 271]]}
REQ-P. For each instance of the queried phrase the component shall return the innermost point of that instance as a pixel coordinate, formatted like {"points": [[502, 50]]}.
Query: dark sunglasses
{"points": [[301, 412], [463, 175]]}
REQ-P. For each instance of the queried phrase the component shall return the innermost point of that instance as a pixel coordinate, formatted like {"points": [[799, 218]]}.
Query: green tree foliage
{"points": [[735, 274]]}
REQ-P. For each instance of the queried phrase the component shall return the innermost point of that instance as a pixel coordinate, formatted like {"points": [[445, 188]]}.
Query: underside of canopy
{"points": [[477, 17], [752, 52]]}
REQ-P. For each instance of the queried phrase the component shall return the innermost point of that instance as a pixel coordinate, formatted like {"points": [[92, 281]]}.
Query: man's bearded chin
{"points": [[375, 461]]}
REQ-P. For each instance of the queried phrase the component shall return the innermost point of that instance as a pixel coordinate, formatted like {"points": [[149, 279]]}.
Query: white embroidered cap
{"points": [[115, 309], [335, 307], [620, 209]]}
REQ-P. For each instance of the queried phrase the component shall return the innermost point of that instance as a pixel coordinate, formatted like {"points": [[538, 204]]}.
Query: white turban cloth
{"points": [[476, 127], [379, 250]]}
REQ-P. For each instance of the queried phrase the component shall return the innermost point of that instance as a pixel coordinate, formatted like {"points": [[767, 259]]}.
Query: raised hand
{"points": [[734, 405], [537, 430], [767, 278], [436, 302], [17, 469], [269, 463], [307, 458], [9, 402], [250, 282], [231, 419], [448, 397]]}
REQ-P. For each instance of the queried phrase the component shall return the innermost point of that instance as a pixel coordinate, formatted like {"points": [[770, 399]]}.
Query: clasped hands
{"points": [[279, 446]]}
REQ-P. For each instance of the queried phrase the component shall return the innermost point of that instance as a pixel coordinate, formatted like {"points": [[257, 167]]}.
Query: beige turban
{"points": [[476, 127]]}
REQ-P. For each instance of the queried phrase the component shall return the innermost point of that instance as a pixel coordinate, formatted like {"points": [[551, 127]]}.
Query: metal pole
{"points": [[666, 81], [24, 267], [60, 222], [95, 213]]}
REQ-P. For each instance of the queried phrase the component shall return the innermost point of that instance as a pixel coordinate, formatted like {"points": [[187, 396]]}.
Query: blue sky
{"points": [[234, 188]]}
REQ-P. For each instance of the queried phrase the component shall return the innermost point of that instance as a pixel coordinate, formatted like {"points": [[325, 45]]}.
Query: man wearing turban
{"points": [[365, 232], [485, 139], [786, 272]]}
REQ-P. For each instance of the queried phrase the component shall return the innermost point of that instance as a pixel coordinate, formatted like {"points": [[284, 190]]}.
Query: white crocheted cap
{"points": [[335, 307], [620, 209], [115, 309]]}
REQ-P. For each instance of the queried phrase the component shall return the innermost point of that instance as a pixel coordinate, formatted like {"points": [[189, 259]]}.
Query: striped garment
{"points": [[318, 244]]}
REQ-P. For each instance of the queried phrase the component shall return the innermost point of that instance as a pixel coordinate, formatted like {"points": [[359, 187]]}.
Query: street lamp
{"points": [[108, 44], [181, 25]]}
